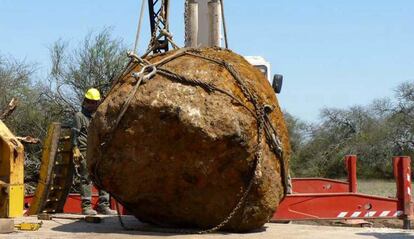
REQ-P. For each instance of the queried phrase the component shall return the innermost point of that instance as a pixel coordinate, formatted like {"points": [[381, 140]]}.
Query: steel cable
{"points": [[141, 16]]}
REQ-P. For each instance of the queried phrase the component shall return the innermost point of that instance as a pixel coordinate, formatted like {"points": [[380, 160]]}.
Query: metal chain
{"points": [[260, 117], [259, 113]]}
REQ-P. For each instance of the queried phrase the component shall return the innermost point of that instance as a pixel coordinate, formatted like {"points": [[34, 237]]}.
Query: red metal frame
{"points": [[319, 198]]}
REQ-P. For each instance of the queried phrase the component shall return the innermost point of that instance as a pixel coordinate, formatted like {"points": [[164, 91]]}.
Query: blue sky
{"points": [[333, 53]]}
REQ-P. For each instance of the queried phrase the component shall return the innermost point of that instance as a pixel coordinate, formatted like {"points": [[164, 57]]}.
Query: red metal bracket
{"points": [[325, 185], [328, 199]]}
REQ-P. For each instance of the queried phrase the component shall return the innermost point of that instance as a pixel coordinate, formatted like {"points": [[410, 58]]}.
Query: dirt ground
{"points": [[110, 228]]}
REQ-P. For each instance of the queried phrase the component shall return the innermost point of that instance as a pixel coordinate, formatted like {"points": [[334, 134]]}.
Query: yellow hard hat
{"points": [[93, 94]]}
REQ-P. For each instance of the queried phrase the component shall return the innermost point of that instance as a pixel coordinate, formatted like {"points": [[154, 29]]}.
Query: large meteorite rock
{"points": [[182, 155]]}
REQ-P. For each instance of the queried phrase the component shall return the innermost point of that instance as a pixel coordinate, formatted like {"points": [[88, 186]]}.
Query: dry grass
{"points": [[386, 188]]}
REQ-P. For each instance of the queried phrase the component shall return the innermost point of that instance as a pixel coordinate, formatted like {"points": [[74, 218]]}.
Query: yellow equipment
{"points": [[93, 94], [11, 174], [56, 172], [29, 226]]}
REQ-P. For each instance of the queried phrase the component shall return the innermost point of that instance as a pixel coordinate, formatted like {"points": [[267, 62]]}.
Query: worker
{"points": [[80, 133]]}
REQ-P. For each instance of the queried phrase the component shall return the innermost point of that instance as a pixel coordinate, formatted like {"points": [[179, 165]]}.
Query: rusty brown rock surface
{"points": [[181, 155]]}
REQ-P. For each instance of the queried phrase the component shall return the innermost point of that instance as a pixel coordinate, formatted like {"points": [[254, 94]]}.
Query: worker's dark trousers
{"points": [[86, 187]]}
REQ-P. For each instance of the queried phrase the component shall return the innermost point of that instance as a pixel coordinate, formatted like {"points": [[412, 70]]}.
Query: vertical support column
{"points": [[402, 173], [215, 23], [191, 24], [350, 161], [396, 163]]}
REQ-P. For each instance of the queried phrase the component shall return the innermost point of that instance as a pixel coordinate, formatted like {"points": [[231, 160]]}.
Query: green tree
{"points": [[375, 133], [96, 62], [28, 119]]}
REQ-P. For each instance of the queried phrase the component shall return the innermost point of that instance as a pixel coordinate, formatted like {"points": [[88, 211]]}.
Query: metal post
{"points": [[408, 210], [223, 19], [214, 18], [402, 173], [192, 27], [352, 175]]}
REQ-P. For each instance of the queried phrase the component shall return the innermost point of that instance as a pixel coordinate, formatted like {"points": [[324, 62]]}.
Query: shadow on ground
{"points": [[111, 225], [387, 235]]}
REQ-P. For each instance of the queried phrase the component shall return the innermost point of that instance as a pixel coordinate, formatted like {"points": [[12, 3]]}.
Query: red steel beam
{"points": [[325, 185], [320, 199], [313, 206], [318, 185]]}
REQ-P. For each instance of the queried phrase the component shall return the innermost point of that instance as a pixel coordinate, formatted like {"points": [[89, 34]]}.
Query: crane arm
{"points": [[158, 18]]}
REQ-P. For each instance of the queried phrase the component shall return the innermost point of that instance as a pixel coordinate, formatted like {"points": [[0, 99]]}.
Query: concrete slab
{"points": [[110, 228], [6, 225]]}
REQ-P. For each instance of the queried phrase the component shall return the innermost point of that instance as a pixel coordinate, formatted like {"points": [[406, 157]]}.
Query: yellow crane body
{"points": [[11, 174]]}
